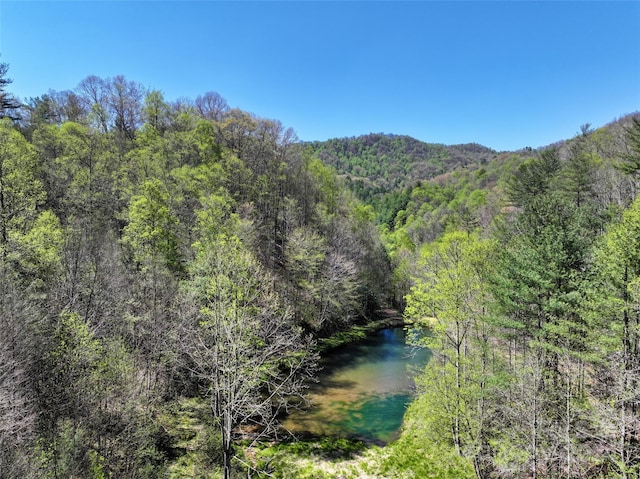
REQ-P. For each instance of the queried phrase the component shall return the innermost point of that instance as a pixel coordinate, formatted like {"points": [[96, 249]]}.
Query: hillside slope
{"points": [[378, 163]]}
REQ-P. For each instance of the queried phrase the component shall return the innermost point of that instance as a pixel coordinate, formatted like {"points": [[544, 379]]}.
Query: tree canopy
{"points": [[166, 269]]}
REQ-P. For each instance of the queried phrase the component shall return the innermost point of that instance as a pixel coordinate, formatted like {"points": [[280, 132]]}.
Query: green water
{"points": [[363, 390]]}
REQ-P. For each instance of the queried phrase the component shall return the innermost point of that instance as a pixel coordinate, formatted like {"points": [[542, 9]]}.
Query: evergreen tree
{"points": [[8, 104], [630, 163]]}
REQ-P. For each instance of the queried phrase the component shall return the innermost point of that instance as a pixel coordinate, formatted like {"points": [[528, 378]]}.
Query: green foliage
{"points": [[65, 455], [150, 229], [21, 192], [450, 301], [388, 206], [8, 104], [541, 319], [415, 455], [378, 163], [156, 111], [77, 352], [420, 452], [83, 167], [38, 250], [630, 163], [533, 177], [326, 181], [240, 342], [96, 467], [110, 202], [129, 224], [451, 284], [192, 438], [537, 280], [612, 303]]}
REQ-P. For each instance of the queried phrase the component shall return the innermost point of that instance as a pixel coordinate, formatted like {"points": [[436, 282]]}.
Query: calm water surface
{"points": [[363, 391]]}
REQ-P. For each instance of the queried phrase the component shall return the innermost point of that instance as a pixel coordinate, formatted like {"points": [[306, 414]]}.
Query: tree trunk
{"points": [[227, 454], [227, 445]]}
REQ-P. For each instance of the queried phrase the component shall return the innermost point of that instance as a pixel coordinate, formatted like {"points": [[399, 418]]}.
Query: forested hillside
{"points": [[376, 167], [531, 298], [154, 254], [166, 268], [524, 274]]}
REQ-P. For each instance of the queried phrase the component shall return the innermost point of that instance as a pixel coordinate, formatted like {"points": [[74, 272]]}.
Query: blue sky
{"points": [[503, 74]]}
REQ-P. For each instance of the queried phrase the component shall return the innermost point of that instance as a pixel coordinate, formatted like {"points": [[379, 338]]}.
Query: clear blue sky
{"points": [[503, 74]]}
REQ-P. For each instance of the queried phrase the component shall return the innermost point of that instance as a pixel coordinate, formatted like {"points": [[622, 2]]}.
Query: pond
{"points": [[363, 391]]}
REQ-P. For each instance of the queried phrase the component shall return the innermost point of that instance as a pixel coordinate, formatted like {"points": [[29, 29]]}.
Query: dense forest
{"points": [[152, 253], [167, 269], [378, 167], [530, 294], [523, 269]]}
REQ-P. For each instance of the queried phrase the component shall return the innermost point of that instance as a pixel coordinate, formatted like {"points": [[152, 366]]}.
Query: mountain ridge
{"points": [[378, 163], [363, 158]]}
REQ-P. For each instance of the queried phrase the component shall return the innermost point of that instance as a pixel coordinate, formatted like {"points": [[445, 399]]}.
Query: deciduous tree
{"points": [[239, 341], [21, 191], [450, 300], [615, 306]]}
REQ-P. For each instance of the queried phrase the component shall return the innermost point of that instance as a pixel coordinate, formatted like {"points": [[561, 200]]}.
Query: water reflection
{"points": [[363, 389]]}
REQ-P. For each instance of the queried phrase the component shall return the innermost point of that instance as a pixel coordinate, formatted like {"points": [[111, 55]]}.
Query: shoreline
{"points": [[385, 318]]}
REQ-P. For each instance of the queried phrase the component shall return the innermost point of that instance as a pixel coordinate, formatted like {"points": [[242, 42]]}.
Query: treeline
{"points": [[152, 252], [527, 282]]}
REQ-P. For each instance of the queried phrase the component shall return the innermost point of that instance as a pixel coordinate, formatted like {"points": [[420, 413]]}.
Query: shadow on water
{"points": [[333, 383], [363, 391]]}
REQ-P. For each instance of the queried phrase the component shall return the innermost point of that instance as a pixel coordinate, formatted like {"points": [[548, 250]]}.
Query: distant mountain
{"points": [[472, 194], [402, 178], [377, 163]]}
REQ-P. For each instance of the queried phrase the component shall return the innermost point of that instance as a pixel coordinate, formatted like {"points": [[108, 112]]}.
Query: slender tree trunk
{"points": [[626, 369], [456, 437], [534, 431], [3, 215], [568, 425], [480, 439], [226, 443], [227, 454]]}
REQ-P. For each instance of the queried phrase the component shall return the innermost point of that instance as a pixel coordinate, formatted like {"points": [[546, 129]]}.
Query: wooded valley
{"points": [[168, 267]]}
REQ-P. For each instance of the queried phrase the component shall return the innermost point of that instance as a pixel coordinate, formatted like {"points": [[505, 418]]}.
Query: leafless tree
{"points": [[211, 106], [237, 339], [17, 402], [93, 92]]}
